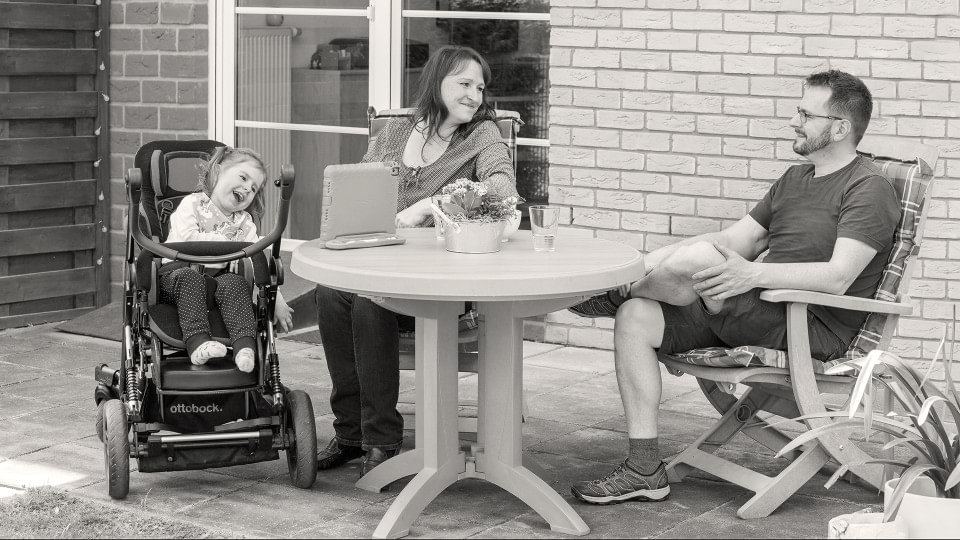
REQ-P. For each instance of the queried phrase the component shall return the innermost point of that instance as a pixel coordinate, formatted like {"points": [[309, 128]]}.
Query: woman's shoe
{"points": [[374, 457], [335, 455]]}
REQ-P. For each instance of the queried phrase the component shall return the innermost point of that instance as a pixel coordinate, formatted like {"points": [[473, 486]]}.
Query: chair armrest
{"points": [[836, 300]]}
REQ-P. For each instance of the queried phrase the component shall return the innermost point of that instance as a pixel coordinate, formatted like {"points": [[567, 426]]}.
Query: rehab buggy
{"points": [[159, 408]]}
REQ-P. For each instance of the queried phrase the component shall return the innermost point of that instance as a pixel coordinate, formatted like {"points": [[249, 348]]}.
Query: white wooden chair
{"points": [[790, 383]]}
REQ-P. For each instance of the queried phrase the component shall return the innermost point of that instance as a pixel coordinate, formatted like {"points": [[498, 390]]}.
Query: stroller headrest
{"points": [[170, 171]]}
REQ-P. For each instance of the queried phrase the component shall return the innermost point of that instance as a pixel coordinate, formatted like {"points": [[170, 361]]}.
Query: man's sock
{"points": [[644, 456]]}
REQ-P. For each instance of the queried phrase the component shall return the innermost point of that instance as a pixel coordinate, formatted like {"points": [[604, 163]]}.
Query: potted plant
{"points": [[924, 500], [474, 218]]}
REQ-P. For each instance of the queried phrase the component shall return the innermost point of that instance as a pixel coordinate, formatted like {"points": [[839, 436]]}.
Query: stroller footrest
{"points": [[217, 374]]}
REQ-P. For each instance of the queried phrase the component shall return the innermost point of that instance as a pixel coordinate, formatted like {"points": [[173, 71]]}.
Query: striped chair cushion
{"points": [[911, 181]]}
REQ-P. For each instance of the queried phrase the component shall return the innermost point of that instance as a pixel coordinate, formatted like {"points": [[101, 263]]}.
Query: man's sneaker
{"points": [[601, 305], [624, 484]]}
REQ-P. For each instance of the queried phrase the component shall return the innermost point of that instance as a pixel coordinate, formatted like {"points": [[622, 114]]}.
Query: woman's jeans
{"points": [[361, 342]]}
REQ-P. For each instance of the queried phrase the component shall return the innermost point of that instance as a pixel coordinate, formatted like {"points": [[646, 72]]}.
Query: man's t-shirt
{"points": [[804, 216]]}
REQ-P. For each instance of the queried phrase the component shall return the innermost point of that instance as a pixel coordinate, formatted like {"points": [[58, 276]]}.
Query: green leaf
{"points": [[906, 480], [863, 380], [954, 479]]}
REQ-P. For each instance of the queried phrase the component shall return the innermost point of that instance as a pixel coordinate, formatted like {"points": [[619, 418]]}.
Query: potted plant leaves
{"points": [[474, 217], [924, 500]]}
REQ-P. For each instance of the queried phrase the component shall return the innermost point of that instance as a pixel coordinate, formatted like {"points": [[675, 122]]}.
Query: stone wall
{"points": [[669, 118], [158, 90]]}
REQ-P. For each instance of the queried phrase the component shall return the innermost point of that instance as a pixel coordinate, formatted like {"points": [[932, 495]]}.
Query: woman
{"points": [[451, 135]]}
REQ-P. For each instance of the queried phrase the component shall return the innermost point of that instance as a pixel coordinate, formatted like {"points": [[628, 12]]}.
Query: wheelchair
{"points": [[159, 408]]}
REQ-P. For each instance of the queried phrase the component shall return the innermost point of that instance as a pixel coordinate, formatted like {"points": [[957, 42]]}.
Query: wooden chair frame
{"points": [[797, 390]]}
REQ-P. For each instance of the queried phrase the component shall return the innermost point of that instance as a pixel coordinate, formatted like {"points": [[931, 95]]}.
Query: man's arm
{"points": [[738, 275], [746, 237]]}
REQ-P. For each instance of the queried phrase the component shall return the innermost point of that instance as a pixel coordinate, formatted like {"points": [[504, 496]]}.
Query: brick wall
{"points": [[669, 118], [158, 90]]}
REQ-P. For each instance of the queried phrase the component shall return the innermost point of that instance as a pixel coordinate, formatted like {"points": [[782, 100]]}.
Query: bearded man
{"points": [[827, 226]]}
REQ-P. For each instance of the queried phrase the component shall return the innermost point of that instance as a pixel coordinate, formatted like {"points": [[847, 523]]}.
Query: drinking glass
{"points": [[437, 221], [544, 223]]}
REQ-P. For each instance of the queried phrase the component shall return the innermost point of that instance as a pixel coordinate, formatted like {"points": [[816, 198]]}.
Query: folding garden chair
{"points": [[509, 123], [791, 383]]}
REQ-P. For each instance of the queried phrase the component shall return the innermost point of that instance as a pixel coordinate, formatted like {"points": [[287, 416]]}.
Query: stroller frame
{"points": [[128, 399]]}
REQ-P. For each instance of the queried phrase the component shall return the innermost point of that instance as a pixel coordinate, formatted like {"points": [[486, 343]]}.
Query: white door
{"points": [[292, 79]]}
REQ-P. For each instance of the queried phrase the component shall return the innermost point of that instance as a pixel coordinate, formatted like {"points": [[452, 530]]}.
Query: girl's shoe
{"points": [[245, 359], [206, 351]]}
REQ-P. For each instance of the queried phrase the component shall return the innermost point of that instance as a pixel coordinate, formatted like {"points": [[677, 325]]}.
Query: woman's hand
{"points": [[414, 215], [283, 315]]}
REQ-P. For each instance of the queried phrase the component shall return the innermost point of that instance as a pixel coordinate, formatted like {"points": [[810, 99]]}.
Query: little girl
{"points": [[231, 183]]}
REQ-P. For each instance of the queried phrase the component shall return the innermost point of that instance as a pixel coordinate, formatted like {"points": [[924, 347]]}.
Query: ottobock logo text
{"points": [[183, 408]]}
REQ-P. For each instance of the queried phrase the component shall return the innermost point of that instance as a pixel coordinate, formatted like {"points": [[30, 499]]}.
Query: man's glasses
{"points": [[804, 115]]}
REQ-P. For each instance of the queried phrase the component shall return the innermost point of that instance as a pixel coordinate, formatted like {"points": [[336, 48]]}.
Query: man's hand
{"points": [[734, 276], [283, 315]]}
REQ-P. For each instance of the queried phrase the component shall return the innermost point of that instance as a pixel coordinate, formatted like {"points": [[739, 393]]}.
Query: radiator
{"points": [[263, 94]]}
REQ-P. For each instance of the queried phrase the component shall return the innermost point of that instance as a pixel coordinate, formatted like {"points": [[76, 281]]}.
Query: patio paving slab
{"points": [[575, 431]]}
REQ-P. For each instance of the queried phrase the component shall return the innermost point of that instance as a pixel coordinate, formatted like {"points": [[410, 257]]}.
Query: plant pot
{"points": [[865, 525], [474, 237], [511, 225], [923, 513]]}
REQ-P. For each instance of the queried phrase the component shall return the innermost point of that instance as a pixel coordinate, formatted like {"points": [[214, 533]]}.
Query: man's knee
{"points": [[641, 316], [688, 260]]}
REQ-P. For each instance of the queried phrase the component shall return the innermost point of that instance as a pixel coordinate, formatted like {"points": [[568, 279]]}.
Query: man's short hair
{"points": [[849, 98]]}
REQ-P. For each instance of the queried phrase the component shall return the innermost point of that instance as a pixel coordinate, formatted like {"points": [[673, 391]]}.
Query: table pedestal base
{"points": [[437, 460]]}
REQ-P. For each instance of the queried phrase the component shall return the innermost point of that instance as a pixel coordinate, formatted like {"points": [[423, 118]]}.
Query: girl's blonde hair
{"points": [[224, 156]]}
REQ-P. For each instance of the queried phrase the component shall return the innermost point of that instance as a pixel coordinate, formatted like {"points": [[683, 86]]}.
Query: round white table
{"points": [[422, 279]]}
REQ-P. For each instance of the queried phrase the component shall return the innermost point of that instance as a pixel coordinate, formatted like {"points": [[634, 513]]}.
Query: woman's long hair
{"points": [[429, 106]]}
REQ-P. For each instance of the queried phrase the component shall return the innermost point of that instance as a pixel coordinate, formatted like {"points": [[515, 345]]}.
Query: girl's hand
{"points": [[415, 215], [283, 315]]}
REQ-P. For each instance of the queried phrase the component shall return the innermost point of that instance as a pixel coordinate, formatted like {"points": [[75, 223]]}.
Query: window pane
{"points": [[328, 4], [310, 153], [518, 54], [309, 70], [532, 179], [529, 6]]}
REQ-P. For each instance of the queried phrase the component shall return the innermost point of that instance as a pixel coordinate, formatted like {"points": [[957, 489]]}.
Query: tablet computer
{"points": [[359, 205]]}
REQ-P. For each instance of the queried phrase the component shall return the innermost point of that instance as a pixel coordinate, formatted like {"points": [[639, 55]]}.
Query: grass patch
{"points": [[45, 513]]}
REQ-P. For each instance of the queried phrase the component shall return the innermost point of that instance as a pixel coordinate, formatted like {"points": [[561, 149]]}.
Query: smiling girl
{"points": [[231, 183]]}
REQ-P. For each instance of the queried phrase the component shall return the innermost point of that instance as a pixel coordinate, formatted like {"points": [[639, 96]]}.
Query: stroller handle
{"points": [[134, 180]]}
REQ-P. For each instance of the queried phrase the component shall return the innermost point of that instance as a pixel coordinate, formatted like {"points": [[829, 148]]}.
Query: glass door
{"points": [[514, 37], [293, 79], [305, 72]]}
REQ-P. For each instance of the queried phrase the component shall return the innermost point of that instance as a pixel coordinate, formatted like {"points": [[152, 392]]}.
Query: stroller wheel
{"points": [[302, 452], [100, 420], [116, 448]]}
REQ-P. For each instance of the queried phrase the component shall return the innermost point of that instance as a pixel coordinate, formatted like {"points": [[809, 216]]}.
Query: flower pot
{"points": [[924, 514], [865, 525], [474, 237], [511, 225]]}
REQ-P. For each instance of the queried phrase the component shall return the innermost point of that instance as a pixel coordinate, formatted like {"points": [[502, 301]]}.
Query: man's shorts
{"points": [[744, 320]]}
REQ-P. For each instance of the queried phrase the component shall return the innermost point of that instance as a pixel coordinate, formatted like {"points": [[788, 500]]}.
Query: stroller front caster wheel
{"points": [[302, 434], [116, 448]]}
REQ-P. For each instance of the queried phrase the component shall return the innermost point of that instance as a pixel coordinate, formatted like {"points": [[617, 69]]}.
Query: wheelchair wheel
{"points": [[116, 448], [302, 432], [100, 413]]}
